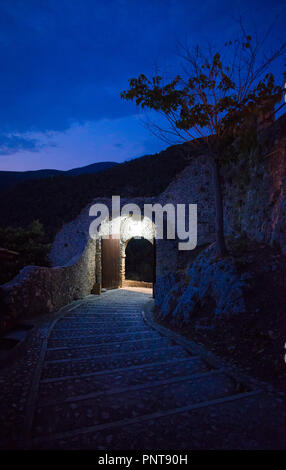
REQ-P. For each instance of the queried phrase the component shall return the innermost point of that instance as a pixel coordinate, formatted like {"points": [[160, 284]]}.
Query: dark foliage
{"points": [[30, 244], [57, 200]]}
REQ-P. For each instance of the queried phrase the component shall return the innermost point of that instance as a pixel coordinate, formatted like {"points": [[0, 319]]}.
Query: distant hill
{"points": [[89, 169], [57, 200], [8, 179]]}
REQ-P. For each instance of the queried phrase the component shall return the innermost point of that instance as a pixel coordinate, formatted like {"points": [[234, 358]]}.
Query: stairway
{"points": [[107, 380]]}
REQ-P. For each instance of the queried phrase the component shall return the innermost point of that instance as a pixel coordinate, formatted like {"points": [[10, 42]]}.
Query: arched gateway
{"points": [[134, 245]]}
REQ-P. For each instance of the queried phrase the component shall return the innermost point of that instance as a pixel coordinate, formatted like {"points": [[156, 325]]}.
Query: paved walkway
{"points": [[98, 376]]}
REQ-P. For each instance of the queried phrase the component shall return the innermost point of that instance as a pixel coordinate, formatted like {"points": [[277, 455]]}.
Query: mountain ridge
{"points": [[58, 200], [8, 179]]}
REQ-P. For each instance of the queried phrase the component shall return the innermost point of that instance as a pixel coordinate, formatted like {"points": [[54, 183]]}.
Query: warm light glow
{"points": [[130, 228]]}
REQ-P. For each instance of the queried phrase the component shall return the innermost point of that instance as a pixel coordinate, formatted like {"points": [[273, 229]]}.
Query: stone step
{"points": [[118, 378], [112, 309], [72, 332], [101, 339], [130, 404], [234, 422], [113, 390], [111, 355], [103, 316], [97, 363], [117, 370], [71, 324], [101, 349]]}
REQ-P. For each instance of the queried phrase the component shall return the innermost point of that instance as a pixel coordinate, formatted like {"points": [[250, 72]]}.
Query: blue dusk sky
{"points": [[64, 63]]}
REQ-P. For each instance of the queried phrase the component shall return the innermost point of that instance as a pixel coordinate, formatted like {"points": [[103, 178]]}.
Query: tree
{"points": [[212, 102], [30, 245]]}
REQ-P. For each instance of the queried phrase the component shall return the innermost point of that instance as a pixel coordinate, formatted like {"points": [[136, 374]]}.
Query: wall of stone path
{"points": [[255, 203], [37, 290]]}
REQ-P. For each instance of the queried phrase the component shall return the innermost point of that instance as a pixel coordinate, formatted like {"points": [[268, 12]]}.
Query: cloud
{"points": [[66, 62], [81, 144], [11, 144]]}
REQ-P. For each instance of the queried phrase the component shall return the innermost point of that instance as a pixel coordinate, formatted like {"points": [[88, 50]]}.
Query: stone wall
{"points": [[38, 290], [77, 233], [254, 204], [255, 189], [209, 284], [254, 197]]}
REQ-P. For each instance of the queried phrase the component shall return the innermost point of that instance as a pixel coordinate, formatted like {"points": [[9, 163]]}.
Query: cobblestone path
{"points": [[98, 376]]}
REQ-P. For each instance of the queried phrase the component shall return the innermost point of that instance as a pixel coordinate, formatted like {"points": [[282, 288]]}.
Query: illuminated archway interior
{"points": [[139, 232], [139, 260]]}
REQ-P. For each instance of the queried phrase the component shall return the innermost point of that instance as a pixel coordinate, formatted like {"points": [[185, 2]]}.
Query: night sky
{"points": [[64, 63]]}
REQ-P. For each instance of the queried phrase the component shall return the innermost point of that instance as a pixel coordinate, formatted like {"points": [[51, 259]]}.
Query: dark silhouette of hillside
{"points": [[57, 200], [9, 179]]}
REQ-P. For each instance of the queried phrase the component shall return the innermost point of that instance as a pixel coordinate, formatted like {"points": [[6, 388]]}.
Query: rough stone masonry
{"points": [[255, 204]]}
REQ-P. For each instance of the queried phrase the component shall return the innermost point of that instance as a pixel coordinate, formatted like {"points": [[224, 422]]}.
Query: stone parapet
{"points": [[37, 290]]}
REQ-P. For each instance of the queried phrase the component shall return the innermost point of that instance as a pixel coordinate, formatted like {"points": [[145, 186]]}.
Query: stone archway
{"points": [[130, 228]]}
